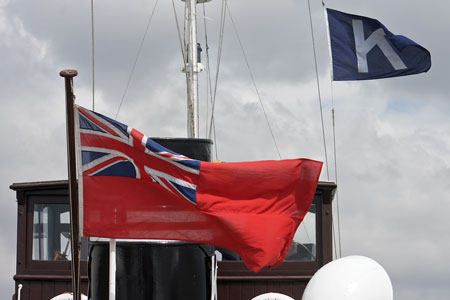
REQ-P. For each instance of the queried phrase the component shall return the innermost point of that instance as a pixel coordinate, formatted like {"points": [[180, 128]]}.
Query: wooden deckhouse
{"points": [[43, 254]]}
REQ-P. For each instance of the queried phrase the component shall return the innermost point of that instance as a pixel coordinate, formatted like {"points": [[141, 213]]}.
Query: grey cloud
{"points": [[392, 135]]}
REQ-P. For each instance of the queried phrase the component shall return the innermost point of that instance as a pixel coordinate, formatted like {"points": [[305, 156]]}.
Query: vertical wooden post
{"points": [[73, 190]]}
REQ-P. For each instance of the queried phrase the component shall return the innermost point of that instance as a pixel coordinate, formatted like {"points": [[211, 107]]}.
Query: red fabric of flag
{"points": [[133, 191]]}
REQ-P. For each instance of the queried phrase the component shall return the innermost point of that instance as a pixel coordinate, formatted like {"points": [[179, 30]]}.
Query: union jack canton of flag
{"points": [[129, 153]]}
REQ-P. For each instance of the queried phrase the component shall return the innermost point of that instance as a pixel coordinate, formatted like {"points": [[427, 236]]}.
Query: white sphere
{"points": [[350, 278], [67, 296], [272, 296]]}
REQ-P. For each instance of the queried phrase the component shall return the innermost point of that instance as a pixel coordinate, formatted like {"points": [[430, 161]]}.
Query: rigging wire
{"points": [[336, 169], [323, 131], [183, 49], [336, 178], [219, 57], [208, 72], [334, 133], [333, 235], [93, 55], [254, 84], [137, 57], [208, 83], [318, 89]]}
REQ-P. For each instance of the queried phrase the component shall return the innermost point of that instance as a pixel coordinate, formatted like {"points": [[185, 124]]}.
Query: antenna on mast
{"points": [[193, 66]]}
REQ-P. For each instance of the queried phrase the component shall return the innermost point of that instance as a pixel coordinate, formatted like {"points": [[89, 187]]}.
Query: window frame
{"points": [[47, 267], [32, 200], [64, 208]]}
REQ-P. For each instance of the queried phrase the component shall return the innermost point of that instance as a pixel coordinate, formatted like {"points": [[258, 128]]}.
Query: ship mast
{"points": [[192, 66]]}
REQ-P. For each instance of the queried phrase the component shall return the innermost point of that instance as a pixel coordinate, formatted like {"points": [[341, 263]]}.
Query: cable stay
{"points": [[318, 89], [219, 57], [209, 92], [254, 84], [337, 244], [137, 58], [93, 55], [182, 45]]}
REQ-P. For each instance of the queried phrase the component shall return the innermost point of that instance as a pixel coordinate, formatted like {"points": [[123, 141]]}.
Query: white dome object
{"points": [[272, 296], [350, 278], [67, 296]]}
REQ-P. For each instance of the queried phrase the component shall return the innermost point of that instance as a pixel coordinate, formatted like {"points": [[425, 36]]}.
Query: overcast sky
{"points": [[392, 135]]}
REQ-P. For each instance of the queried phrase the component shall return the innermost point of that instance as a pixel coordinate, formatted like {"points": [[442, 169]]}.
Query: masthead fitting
{"points": [[68, 73]]}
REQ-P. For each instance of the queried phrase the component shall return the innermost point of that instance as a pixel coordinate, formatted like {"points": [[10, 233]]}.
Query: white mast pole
{"points": [[192, 66], [112, 269], [192, 69]]}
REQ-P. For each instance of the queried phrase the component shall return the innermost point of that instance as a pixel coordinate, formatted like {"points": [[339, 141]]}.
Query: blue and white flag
{"points": [[363, 48]]}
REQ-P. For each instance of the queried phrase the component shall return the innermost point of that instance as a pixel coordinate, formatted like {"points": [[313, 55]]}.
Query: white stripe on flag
{"points": [[153, 172]]}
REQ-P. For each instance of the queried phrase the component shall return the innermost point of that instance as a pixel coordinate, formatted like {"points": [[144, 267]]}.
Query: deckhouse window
{"points": [[51, 232], [303, 246]]}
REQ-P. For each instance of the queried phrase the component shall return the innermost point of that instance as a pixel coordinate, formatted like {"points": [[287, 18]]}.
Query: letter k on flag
{"points": [[363, 48]]}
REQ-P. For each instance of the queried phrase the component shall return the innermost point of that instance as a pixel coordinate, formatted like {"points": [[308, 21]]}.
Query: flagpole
{"points": [[333, 119], [73, 190], [112, 269]]}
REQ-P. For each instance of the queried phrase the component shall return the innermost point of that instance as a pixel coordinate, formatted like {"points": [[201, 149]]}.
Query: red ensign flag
{"points": [[132, 187]]}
